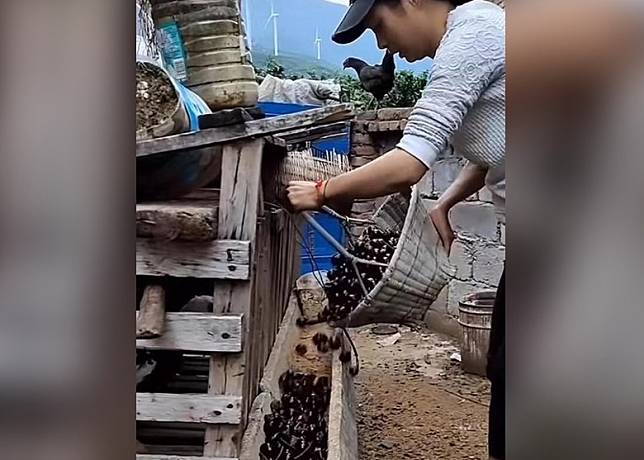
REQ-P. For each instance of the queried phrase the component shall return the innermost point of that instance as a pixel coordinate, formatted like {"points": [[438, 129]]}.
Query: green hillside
{"points": [[295, 65]]}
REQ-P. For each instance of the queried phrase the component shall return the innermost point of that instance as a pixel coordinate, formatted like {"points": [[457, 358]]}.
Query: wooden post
{"points": [[149, 322], [238, 208]]}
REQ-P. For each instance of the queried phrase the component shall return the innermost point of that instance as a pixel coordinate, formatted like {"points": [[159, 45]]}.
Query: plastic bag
{"points": [[192, 103]]}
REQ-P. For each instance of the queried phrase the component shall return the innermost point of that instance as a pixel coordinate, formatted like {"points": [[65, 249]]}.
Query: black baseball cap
{"points": [[352, 25]]}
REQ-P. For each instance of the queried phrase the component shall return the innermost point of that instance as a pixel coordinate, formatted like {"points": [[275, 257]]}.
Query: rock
{"points": [[384, 329], [386, 445], [389, 341]]}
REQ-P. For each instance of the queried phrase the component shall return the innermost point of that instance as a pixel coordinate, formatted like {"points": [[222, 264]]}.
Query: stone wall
{"points": [[478, 252]]}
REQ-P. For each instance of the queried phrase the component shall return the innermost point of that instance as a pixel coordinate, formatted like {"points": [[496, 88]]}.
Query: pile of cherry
{"points": [[343, 288], [297, 427]]}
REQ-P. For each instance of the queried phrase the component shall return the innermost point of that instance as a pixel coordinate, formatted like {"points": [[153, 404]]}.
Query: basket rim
{"points": [[148, 133]]}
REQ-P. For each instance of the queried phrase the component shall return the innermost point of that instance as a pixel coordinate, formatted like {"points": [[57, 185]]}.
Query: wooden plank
{"points": [[178, 457], [190, 408], [177, 450], [278, 363], [222, 259], [261, 303], [246, 131], [313, 133], [199, 332], [343, 430], [278, 360], [238, 209], [254, 435]]}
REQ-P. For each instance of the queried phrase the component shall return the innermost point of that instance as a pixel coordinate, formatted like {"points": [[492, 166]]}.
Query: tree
{"points": [[408, 88], [271, 67]]}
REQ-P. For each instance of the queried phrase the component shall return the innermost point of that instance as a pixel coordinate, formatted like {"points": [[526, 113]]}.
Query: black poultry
{"points": [[375, 79]]}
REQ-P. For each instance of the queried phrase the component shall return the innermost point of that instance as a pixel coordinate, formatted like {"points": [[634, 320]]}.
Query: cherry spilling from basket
{"points": [[297, 426], [343, 288]]}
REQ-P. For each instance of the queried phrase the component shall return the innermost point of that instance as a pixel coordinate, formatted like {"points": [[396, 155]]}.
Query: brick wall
{"points": [[479, 250]]}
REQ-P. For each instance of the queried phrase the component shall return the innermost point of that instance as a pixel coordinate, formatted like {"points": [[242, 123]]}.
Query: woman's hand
{"points": [[304, 196], [440, 218]]}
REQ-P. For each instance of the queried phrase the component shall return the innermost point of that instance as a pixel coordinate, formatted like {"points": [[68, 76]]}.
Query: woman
{"points": [[463, 104]]}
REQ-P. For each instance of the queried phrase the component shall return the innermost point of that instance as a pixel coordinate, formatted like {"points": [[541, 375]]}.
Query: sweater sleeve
{"points": [[470, 56]]}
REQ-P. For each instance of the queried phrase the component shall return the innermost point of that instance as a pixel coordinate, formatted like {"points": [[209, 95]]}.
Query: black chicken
{"points": [[375, 79]]}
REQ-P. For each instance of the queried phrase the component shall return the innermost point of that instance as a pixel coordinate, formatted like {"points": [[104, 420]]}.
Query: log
{"points": [[170, 221], [151, 317]]}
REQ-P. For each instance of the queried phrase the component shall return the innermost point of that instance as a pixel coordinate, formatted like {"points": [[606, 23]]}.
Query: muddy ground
{"points": [[414, 402]]}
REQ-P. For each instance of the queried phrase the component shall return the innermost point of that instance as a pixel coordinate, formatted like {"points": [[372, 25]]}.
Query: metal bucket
{"points": [[475, 317]]}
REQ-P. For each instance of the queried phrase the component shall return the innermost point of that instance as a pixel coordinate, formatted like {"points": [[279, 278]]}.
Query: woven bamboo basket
{"points": [[418, 270]]}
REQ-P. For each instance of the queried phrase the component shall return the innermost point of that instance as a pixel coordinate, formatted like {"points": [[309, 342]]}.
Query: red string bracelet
{"points": [[320, 186]]}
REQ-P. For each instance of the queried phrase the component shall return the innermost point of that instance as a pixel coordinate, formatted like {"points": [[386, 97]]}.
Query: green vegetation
{"points": [[408, 86]]}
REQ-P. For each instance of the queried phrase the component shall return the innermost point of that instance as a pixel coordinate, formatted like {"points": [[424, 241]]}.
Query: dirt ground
{"points": [[414, 402]]}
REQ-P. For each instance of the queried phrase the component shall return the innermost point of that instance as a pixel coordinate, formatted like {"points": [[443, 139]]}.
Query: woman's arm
{"points": [[469, 181], [393, 172]]}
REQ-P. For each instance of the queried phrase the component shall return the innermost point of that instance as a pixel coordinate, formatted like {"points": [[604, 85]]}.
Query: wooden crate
{"points": [[222, 339], [248, 250]]}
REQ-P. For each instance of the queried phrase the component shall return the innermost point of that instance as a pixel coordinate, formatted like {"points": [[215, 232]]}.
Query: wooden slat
{"points": [[238, 210], [189, 408], [222, 259], [285, 340], [251, 129], [261, 303], [170, 448], [343, 431], [309, 134], [178, 457], [278, 363], [202, 332]]}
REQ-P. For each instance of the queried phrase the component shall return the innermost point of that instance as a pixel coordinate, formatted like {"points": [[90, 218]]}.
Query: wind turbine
{"points": [[248, 23], [318, 43], [274, 17]]}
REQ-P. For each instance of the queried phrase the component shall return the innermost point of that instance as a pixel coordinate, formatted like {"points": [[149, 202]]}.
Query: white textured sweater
{"points": [[464, 101]]}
